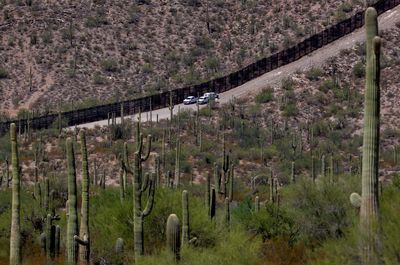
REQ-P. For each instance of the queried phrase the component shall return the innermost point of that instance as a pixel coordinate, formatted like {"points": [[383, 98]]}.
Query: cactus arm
{"points": [[227, 176], [147, 154], [84, 241], [145, 183]]}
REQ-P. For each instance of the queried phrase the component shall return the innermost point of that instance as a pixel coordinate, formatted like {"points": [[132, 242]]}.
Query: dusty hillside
{"points": [[58, 52], [332, 96]]}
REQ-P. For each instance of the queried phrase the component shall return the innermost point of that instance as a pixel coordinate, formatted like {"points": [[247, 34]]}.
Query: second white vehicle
{"points": [[203, 100]]}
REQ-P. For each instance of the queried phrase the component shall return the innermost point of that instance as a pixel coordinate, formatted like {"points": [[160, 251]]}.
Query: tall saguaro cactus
{"points": [[141, 184], [177, 163], [15, 236], [227, 212], [185, 217], [225, 168], [217, 178], [84, 234], [211, 209], [231, 184], [369, 212], [72, 222]]}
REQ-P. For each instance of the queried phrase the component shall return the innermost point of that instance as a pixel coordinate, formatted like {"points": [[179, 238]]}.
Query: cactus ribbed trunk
{"points": [[72, 224], [293, 172], [217, 178], [369, 212], [57, 240], [211, 211], [173, 236], [15, 236], [232, 175], [125, 173], [185, 217], [227, 212], [208, 190], [177, 163], [84, 249], [313, 175], [138, 236], [49, 236]]}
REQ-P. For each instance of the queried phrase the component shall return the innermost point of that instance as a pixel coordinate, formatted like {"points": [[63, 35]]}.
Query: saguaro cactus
{"points": [[177, 163], [119, 246], [158, 170], [171, 110], [72, 223], [225, 168], [125, 156], [50, 236], [8, 178], [15, 236], [208, 190], [227, 212], [313, 175], [369, 212], [173, 236], [185, 217], [84, 234], [57, 240], [272, 188], [140, 185], [211, 210], [231, 183], [217, 178], [293, 172], [257, 204]]}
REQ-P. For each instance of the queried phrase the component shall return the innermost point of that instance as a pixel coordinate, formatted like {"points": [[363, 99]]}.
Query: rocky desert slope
{"points": [[70, 53]]}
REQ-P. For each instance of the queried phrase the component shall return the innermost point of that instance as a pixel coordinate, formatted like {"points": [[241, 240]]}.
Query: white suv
{"points": [[211, 95]]}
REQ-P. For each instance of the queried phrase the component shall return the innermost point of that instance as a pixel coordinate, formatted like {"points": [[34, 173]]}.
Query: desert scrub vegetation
{"points": [[265, 95], [3, 73]]}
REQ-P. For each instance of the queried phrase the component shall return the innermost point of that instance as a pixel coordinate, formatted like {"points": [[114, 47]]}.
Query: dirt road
{"points": [[317, 58]]}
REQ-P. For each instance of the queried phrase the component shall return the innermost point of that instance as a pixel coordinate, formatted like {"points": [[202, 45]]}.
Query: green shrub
{"points": [[3, 73], [110, 65], [396, 181], [97, 21], [346, 7], [98, 79], [287, 84], [290, 110], [322, 211], [270, 222], [266, 95], [359, 70], [314, 74]]}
